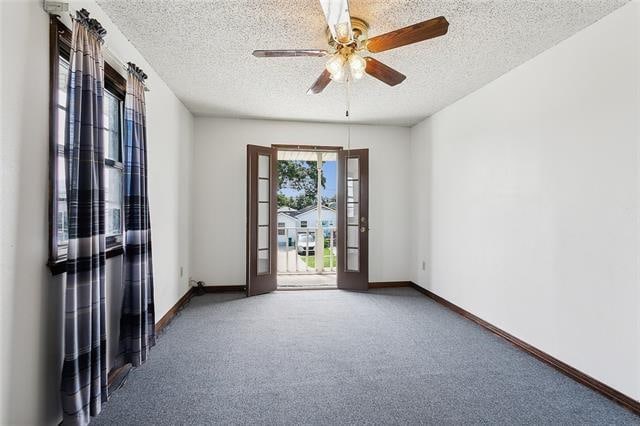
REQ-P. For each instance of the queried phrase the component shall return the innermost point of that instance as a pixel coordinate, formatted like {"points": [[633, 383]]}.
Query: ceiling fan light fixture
{"points": [[339, 76], [335, 64], [357, 75], [357, 63]]}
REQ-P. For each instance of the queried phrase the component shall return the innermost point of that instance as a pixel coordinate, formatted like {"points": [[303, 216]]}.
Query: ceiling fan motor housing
{"points": [[360, 30]]}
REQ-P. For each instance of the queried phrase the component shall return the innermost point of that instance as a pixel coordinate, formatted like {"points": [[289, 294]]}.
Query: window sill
{"points": [[115, 251], [60, 266]]}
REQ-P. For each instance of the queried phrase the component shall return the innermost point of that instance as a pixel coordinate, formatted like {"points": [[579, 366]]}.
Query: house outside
{"points": [[286, 209], [288, 226], [308, 217], [291, 222]]}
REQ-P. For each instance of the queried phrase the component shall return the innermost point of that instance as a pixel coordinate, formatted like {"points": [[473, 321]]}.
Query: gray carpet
{"points": [[335, 357]]}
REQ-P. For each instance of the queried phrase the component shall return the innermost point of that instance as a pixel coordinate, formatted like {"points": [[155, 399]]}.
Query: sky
{"points": [[329, 190]]}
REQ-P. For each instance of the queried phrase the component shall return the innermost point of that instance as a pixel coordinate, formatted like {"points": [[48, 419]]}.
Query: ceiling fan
{"points": [[349, 42]]}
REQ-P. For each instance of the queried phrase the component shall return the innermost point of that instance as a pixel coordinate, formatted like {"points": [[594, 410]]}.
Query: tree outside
{"points": [[299, 179]]}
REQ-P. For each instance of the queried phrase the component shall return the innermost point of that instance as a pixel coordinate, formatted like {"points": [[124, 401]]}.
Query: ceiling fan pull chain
{"points": [[348, 96]]}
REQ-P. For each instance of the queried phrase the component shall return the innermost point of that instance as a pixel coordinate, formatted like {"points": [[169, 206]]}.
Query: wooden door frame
{"points": [[311, 148], [341, 242]]}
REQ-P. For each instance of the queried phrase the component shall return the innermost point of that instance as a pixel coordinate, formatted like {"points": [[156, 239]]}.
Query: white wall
{"points": [[219, 192], [31, 300], [528, 204], [170, 155]]}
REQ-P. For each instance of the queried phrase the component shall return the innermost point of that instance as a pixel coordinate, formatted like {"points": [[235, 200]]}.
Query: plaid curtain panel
{"points": [[137, 323], [84, 371]]}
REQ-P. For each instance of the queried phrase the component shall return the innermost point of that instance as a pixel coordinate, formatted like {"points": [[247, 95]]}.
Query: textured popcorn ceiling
{"points": [[202, 49]]}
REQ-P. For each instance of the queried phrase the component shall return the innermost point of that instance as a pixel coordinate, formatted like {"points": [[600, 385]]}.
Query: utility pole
{"points": [[319, 231]]}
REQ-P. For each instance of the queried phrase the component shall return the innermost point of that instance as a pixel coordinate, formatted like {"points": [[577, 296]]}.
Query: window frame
{"points": [[60, 46]]}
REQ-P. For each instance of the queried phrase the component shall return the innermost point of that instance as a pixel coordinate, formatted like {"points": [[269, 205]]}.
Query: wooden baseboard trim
{"points": [[223, 288], [116, 375], [390, 284], [166, 319], [566, 369]]}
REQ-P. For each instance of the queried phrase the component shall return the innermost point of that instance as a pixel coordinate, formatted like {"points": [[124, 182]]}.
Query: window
{"points": [[113, 110], [281, 224], [61, 224], [115, 89], [281, 231], [303, 223]]}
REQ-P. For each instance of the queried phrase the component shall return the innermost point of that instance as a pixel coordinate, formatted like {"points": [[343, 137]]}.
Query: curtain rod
{"points": [[113, 59], [58, 8], [108, 54]]}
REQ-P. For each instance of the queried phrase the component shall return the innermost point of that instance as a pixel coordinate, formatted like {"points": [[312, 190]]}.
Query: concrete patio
{"points": [[299, 281]]}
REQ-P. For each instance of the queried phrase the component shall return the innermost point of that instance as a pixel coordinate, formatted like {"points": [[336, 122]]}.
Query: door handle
{"points": [[363, 229]]}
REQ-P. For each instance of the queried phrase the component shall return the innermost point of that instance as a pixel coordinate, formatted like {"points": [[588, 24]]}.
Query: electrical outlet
{"points": [[424, 265]]}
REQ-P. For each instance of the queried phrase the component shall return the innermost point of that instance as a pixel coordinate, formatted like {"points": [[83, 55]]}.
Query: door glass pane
{"points": [[353, 236], [353, 260], [353, 191], [263, 189], [263, 166], [264, 205], [263, 237], [352, 168], [263, 214], [353, 211], [263, 261]]}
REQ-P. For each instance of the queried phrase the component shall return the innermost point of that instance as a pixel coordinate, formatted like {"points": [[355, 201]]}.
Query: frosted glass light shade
{"points": [[335, 64], [357, 63]]}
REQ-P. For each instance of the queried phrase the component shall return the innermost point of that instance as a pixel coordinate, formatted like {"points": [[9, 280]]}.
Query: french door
{"points": [[262, 181], [353, 219]]}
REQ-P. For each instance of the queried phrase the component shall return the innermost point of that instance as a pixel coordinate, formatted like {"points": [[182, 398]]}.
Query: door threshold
{"points": [[298, 288]]}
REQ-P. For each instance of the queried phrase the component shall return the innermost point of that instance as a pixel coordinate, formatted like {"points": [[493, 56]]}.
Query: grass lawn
{"points": [[311, 260]]}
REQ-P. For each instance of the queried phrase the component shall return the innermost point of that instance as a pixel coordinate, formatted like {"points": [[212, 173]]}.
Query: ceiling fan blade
{"points": [[382, 72], [288, 53], [412, 34], [338, 19], [322, 82]]}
